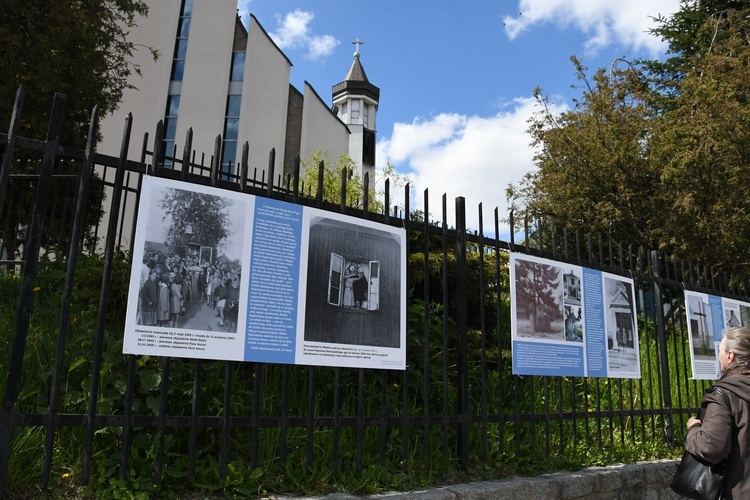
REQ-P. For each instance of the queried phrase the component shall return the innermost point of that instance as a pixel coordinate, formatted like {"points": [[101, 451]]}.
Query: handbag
{"points": [[696, 478]]}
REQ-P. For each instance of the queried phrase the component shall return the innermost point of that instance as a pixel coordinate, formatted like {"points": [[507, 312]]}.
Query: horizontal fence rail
{"points": [[62, 208]]}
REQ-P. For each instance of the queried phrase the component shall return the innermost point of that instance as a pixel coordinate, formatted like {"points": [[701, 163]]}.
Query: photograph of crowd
{"points": [[191, 272]]}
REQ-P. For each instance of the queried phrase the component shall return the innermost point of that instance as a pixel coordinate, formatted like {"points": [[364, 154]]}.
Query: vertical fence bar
{"points": [[405, 376], [360, 418], [157, 156], [194, 416], [483, 332], [244, 168], [10, 146], [462, 332], [139, 184], [498, 326], [84, 176], [127, 425], [336, 419], [310, 420], [161, 418], [103, 301], [284, 424], [256, 416], [216, 161], [446, 360], [226, 419], [186, 151], [662, 342], [426, 332], [271, 167], [31, 258]]}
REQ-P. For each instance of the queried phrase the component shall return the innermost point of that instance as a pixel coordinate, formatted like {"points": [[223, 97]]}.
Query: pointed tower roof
{"points": [[356, 81]]}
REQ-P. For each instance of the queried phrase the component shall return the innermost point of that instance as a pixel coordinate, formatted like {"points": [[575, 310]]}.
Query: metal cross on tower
{"points": [[357, 43]]}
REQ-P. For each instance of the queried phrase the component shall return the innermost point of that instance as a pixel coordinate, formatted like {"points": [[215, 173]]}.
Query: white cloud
{"points": [[468, 156], [605, 22], [243, 6], [294, 32], [321, 46]]}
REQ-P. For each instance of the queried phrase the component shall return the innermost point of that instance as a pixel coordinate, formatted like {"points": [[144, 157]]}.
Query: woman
{"points": [[149, 296], [175, 299], [164, 305], [221, 299], [721, 432]]}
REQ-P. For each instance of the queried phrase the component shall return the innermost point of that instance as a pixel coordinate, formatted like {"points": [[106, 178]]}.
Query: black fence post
{"points": [[244, 167], [84, 178], [186, 152], [10, 146], [662, 340], [216, 161], [462, 325], [271, 165], [109, 251], [31, 259]]}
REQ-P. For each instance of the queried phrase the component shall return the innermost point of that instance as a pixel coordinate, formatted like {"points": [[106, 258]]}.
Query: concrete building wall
{"points": [[203, 93], [293, 129], [265, 95], [147, 102], [321, 129]]}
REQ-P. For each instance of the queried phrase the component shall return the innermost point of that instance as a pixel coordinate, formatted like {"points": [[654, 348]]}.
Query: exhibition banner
{"points": [[225, 275], [708, 316], [568, 320]]}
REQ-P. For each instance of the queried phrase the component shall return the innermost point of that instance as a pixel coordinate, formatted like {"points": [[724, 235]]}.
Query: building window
{"points": [[231, 134], [238, 66], [170, 129], [180, 46], [355, 111], [354, 284], [177, 74], [368, 147], [365, 115]]}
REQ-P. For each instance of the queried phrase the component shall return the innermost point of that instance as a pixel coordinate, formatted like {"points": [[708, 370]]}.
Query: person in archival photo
{"points": [[719, 432]]}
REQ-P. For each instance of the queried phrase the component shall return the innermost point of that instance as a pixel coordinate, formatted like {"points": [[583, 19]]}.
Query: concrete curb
{"points": [[641, 481]]}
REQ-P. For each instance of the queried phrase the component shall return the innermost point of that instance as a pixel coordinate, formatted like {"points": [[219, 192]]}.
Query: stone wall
{"points": [[640, 481]]}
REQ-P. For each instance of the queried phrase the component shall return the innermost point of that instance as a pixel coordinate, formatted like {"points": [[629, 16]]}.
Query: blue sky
{"points": [[456, 78]]}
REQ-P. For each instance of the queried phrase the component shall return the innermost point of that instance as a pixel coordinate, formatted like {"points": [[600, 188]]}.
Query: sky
{"points": [[457, 79]]}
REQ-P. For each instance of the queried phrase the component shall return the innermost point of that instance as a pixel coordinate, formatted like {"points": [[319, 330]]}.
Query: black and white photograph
{"points": [[190, 260], [573, 299], [188, 280], [354, 278], [622, 341], [700, 319], [539, 297]]}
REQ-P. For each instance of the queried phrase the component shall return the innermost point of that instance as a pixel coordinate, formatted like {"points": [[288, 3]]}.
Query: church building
{"points": [[219, 78]]}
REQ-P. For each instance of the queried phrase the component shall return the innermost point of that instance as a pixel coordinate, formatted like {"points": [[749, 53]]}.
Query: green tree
{"points": [[655, 158], [333, 181], [76, 47], [686, 37], [593, 170], [703, 149], [206, 215]]}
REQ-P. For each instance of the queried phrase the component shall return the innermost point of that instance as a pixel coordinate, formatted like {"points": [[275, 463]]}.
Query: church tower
{"points": [[355, 100]]}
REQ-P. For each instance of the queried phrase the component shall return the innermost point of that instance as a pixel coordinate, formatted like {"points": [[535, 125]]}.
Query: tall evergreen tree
{"points": [[656, 153]]}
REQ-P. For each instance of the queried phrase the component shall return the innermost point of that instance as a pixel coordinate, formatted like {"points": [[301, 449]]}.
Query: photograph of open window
{"points": [[354, 284]]}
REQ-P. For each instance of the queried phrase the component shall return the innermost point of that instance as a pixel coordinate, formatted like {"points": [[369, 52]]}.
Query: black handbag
{"points": [[696, 478]]}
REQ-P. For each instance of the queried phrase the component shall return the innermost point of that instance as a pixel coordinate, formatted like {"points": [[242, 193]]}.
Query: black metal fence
{"points": [[457, 398]]}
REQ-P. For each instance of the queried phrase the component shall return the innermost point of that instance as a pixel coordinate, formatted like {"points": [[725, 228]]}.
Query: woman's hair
{"points": [[737, 340]]}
